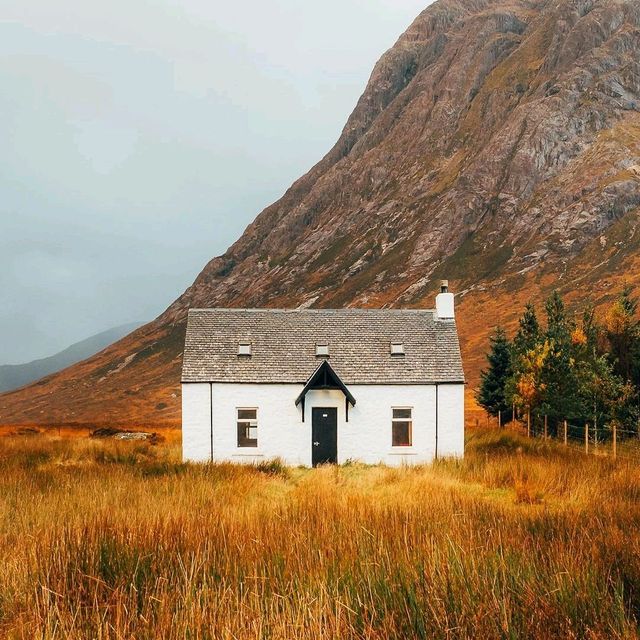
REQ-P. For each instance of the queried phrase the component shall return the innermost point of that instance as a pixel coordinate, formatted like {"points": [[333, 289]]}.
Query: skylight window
{"points": [[244, 348], [397, 348], [322, 349]]}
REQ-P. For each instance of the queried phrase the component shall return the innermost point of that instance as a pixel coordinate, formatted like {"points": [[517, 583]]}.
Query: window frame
{"points": [[250, 421], [395, 420]]}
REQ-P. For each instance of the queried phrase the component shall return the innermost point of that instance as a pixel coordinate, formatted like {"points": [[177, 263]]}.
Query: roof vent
{"points": [[244, 348], [397, 348], [322, 349]]}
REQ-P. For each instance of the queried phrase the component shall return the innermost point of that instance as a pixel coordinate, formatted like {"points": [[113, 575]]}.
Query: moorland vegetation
{"points": [[522, 539]]}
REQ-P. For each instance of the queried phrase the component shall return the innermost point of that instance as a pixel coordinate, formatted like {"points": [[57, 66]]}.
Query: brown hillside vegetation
{"points": [[497, 144], [520, 540]]}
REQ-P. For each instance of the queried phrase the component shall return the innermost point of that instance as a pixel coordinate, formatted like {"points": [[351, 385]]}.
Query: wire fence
{"points": [[610, 440]]}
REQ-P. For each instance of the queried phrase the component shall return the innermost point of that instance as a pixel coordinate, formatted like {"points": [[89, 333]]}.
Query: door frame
{"points": [[316, 424]]}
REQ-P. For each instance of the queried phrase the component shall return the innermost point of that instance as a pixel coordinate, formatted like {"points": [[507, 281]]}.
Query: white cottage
{"points": [[323, 386]]}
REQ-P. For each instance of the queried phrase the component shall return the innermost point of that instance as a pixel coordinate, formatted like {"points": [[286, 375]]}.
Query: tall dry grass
{"points": [[521, 540]]}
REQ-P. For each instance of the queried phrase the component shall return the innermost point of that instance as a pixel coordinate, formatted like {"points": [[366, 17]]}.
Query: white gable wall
{"points": [[196, 422], [282, 434], [451, 420]]}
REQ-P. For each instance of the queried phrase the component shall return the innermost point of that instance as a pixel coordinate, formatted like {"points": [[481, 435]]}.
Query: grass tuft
{"points": [[273, 467]]}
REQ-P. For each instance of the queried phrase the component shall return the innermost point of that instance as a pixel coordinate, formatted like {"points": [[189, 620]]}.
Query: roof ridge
{"points": [[281, 310]]}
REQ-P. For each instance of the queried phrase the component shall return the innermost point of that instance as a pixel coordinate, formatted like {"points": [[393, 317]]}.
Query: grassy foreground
{"points": [[521, 540]]}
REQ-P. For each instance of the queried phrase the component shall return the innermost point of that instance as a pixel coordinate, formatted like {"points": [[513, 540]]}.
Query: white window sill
{"points": [[246, 454], [400, 452]]}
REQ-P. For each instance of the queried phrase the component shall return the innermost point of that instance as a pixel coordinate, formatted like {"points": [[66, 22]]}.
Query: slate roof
{"points": [[284, 346]]}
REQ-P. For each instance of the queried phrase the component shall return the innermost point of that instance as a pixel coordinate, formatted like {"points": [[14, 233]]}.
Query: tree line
{"points": [[585, 371]]}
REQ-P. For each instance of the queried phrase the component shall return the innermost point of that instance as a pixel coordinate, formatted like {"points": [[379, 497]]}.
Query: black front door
{"points": [[324, 443]]}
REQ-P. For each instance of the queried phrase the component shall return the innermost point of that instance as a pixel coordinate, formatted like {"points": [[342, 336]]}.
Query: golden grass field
{"points": [[120, 540]]}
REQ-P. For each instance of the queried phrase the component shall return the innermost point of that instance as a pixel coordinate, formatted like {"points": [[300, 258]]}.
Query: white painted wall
{"points": [[196, 422], [451, 420], [282, 434]]}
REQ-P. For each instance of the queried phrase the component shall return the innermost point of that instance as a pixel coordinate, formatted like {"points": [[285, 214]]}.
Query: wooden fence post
{"points": [[546, 427], [500, 419], [565, 433], [615, 439], [586, 437], [528, 423]]}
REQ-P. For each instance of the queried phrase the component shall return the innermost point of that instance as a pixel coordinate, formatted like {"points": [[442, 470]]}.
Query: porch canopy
{"points": [[325, 377]]}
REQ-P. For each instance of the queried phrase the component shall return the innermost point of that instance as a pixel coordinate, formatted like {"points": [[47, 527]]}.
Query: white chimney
{"points": [[445, 303]]}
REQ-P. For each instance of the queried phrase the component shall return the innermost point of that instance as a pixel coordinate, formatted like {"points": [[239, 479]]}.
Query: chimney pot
{"points": [[444, 286]]}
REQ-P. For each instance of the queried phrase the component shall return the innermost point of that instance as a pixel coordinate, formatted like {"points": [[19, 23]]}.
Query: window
{"points": [[244, 348], [322, 349], [397, 348], [401, 427], [247, 427]]}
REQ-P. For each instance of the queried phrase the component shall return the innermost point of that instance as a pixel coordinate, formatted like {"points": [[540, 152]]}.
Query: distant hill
{"points": [[14, 376], [497, 145]]}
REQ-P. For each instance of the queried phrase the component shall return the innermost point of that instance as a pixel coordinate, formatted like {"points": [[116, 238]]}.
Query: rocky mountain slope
{"points": [[496, 144]]}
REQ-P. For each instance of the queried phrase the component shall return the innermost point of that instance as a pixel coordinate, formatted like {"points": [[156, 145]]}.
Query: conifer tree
{"points": [[623, 334], [492, 393], [622, 330], [559, 376], [528, 335]]}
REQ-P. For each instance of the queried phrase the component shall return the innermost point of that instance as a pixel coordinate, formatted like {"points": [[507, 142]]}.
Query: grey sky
{"points": [[140, 137]]}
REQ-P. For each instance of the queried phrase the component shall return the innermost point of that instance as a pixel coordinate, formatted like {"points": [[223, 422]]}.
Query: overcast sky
{"points": [[140, 137]]}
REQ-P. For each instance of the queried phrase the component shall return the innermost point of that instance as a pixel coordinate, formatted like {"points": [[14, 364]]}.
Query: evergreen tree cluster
{"points": [[583, 372]]}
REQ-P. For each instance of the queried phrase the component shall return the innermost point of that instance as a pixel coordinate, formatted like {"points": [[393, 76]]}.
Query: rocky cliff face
{"points": [[497, 144]]}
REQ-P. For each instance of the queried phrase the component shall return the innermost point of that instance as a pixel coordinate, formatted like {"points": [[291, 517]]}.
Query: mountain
{"points": [[497, 144], [13, 376]]}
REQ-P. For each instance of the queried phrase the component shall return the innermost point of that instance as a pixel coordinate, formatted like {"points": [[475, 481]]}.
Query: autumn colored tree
{"points": [[585, 342], [493, 380], [586, 337], [527, 338], [529, 387], [622, 331]]}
